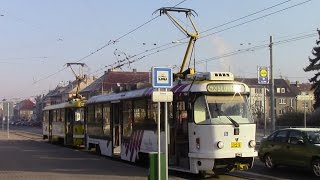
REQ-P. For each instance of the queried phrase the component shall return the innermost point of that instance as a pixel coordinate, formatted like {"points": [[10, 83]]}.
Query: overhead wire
{"points": [[201, 37], [258, 47], [243, 17], [99, 49], [107, 44], [266, 15]]}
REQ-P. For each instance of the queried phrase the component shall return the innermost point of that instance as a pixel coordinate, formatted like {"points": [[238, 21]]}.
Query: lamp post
{"points": [[3, 115], [8, 115]]}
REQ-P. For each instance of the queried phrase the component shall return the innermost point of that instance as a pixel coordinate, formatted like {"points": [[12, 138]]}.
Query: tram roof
{"points": [[69, 104], [198, 86]]}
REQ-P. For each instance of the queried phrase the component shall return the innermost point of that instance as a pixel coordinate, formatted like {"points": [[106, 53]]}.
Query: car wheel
{"points": [[316, 167], [268, 161]]}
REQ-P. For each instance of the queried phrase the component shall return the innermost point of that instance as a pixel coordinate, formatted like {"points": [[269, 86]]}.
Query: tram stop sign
{"points": [[162, 77]]}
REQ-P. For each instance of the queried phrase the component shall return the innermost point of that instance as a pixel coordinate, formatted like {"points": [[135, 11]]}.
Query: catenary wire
{"points": [[107, 44]]}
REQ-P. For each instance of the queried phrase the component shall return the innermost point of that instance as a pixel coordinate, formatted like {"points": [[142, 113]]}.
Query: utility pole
{"points": [[273, 122]]}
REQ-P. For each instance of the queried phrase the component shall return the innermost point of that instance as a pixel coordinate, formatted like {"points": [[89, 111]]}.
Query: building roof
{"points": [[25, 105], [110, 80]]}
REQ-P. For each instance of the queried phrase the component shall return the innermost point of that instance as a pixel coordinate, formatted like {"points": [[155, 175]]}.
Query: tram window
{"points": [[46, 116], [218, 109], [140, 111], [79, 114], [152, 112], [127, 118], [54, 115], [106, 119], [200, 112], [90, 113], [98, 113], [182, 117], [62, 115]]}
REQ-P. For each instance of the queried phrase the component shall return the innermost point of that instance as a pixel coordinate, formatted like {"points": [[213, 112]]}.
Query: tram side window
{"points": [[79, 114], [46, 116], [54, 115], [98, 113], [106, 119], [127, 118], [200, 111], [182, 116], [90, 114], [62, 115], [139, 111], [152, 112]]}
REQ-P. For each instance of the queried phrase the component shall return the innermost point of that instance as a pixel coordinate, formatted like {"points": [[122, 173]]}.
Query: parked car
{"points": [[299, 147]]}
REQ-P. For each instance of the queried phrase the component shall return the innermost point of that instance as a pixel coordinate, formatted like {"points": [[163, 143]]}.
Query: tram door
{"points": [[70, 116], [179, 143], [116, 129]]}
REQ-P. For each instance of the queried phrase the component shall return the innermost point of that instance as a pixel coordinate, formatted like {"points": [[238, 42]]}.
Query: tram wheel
{"points": [[205, 174]]}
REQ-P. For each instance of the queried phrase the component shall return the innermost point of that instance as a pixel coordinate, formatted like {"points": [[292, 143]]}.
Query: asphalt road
{"points": [[75, 163]]}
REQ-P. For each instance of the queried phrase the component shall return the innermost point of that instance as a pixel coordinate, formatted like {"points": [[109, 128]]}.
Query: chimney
{"points": [[297, 83]]}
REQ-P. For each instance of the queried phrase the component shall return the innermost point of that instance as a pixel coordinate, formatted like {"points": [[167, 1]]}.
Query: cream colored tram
{"points": [[210, 124]]}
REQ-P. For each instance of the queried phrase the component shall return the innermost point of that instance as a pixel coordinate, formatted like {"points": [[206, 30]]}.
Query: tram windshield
{"points": [[222, 110]]}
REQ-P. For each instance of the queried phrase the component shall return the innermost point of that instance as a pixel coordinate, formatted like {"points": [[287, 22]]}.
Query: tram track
{"points": [[27, 135]]}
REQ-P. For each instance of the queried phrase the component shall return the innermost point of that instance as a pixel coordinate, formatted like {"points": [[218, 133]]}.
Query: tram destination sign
{"points": [[234, 88]]}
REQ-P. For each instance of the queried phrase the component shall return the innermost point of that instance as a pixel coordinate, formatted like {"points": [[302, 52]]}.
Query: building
{"points": [[285, 98], [24, 110], [63, 92], [113, 81]]}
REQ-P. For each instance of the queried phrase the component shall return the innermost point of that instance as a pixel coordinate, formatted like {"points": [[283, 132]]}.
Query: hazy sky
{"points": [[38, 37]]}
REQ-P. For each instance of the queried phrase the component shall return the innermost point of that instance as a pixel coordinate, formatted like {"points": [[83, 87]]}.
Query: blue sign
{"points": [[162, 77]]}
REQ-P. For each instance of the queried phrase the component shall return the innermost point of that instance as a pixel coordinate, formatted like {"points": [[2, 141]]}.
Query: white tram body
{"points": [[64, 123], [210, 125]]}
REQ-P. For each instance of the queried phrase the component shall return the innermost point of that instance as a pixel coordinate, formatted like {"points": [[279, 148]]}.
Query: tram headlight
{"points": [[252, 143], [220, 144]]}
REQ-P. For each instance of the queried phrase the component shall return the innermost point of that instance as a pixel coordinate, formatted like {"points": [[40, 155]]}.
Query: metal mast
{"points": [[79, 77], [193, 36]]}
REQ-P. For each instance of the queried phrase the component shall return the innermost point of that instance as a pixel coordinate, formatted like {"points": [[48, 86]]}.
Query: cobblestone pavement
{"points": [[24, 158]]}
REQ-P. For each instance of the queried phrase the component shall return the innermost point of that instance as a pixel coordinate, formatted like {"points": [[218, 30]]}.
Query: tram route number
{"points": [[235, 144]]}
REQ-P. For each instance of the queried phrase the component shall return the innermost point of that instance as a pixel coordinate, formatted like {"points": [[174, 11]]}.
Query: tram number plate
{"points": [[235, 144]]}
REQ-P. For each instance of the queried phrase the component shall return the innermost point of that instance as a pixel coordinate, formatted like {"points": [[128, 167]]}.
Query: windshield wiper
{"points": [[230, 119], [233, 121]]}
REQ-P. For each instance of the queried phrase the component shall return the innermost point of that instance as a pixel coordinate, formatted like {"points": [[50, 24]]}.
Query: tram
{"points": [[64, 123], [209, 122]]}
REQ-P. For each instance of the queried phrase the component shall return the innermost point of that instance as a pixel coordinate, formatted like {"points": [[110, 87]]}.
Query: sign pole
{"points": [[264, 106], [162, 78], [159, 142], [166, 135]]}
